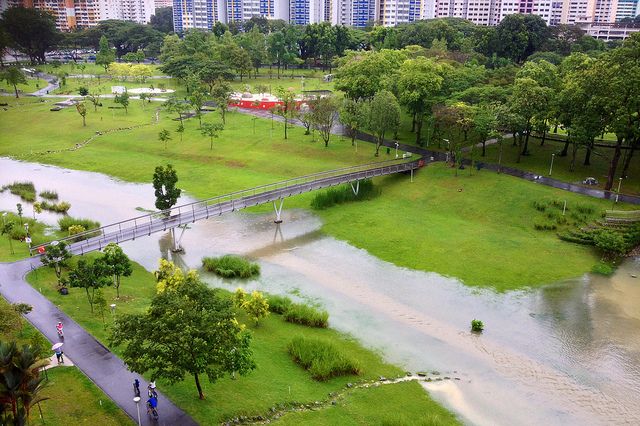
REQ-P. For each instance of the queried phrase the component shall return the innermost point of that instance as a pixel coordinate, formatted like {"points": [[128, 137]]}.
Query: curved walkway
{"points": [[96, 361]]}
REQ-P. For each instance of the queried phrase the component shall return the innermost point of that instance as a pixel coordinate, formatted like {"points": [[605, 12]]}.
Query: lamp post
{"points": [[448, 148], [137, 401], [618, 193], [397, 145], [27, 239], [551, 166]]}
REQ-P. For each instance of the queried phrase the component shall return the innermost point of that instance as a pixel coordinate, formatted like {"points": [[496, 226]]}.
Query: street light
{"points": [[397, 144], [618, 193], [27, 239], [137, 401], [448, 148], [551, 166]]}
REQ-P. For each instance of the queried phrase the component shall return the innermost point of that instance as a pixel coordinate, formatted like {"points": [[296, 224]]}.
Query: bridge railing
{"points": [[362, 171]]}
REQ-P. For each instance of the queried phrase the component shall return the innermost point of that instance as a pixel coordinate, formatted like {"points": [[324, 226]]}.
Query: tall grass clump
{"points": [[230, 266], [66, 222], [25, 190], [321, 358], [334, 196], [49, 195], [61, 207], [306, 315], [279, 304]]}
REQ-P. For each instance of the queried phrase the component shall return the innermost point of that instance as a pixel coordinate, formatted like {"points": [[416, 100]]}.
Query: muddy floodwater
{"points": [[566, 353]]}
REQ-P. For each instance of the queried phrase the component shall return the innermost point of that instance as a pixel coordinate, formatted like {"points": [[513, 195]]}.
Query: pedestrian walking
{"points": [[60, 356], [136, 387], [151, 390]]}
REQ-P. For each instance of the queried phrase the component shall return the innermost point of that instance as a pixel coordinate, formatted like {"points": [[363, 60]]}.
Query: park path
{"points": [[99, 364]]}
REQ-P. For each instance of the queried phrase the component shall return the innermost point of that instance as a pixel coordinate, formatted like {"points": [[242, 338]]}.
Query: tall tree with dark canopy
{"points": [[56, 257], [31, 31], [188, 329], [105, 55], [162, 20], [13, 76], [384, 116], [164, 183]]}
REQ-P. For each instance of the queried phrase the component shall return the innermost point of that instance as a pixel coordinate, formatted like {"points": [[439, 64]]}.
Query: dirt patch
{"points": [[235, 164]]}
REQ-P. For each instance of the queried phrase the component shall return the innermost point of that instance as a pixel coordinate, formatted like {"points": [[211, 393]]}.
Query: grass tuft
{"points": [[279, 304], [66, 222], [321, 358], [332, 197], [49, 195], [230, 266], [306, 315], [25, 190]]}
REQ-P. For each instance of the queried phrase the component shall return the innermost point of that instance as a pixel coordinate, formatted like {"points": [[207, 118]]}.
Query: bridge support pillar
{"points": [[278, 210], [356, 188], [175, 242]]}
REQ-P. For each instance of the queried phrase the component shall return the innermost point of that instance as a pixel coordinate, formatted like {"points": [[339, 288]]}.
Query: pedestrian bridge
{"points": [[180, 216]]}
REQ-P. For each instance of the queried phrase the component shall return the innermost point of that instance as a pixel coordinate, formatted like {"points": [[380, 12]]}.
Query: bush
{"points": [[603, 268], [25, 190], [230, 266], [544, 226], [83, 91], [67, 222], [610, 242], [331, 197], [306, 315], [61, 207], [578, 237], [49, 195], [321, 358], [540, 206], [279, 304], [585, 209], [477, 325]]}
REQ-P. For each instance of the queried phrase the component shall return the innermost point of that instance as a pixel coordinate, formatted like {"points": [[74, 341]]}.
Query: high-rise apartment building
{"points": [[70, 14], [159, 4], [200, 14]]}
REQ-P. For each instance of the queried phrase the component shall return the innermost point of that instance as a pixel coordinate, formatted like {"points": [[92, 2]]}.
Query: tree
{"points": [[257, 307], [528, 100], [13, 76], [211, 130], [56, 257], [162, 19], [286, 107], [361, 74], [118, 264], [175, 105], [221, 93], [384, 116], [304, 116], [354, 116], [100, 304], [323, 115], [485, 124], [123, 99], [20, 382], [82, 110], [94, 98], [240, 60], [196, 100], [7, 228], [90, 275], [211, 72], [164, 184], [105, 55], [143, 98], [31, 31], [519, 36], [180, 130], [164, 136], [419, 82], [187, 330]]}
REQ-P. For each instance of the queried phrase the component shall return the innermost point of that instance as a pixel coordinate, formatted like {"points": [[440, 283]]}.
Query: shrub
{"points": [[257, 307], [540, 206], [49, 195], [230, 266], [561, 220], [331, 197], [321, 358], [61, 207], [83, 91], [67, 222], [306, 315], [25, 190], [544, 226], [585, 209], [578, 237], [279, 304], [477, 325], [603, 268], [558, 204], [610, 242], [239, 297]]}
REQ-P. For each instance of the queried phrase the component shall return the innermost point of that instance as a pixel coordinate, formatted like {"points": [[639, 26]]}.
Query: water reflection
{"points": [[568, 353]]}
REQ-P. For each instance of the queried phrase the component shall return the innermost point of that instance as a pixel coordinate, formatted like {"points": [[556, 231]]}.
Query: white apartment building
{"points": [[139, 11], [159, 4]]}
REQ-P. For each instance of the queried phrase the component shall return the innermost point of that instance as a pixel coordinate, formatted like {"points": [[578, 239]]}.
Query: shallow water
{"points": [[568, 353]]}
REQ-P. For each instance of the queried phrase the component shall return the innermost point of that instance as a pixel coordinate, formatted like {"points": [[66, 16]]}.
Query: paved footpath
{"points": [[96, 361]]}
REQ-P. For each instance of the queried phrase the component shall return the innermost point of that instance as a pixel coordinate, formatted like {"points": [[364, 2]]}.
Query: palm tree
{"points": [[20, 381]]}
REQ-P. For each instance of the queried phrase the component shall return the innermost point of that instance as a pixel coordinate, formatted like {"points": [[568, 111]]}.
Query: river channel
{"points": [[566, 353]]}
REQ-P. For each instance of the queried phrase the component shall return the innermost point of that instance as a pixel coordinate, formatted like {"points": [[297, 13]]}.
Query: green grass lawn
{"points": [[540, 160], [355, 407], [31, 86], [73, 398], [477, 228], [103, 85], [276, 380], [72, 68]]}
